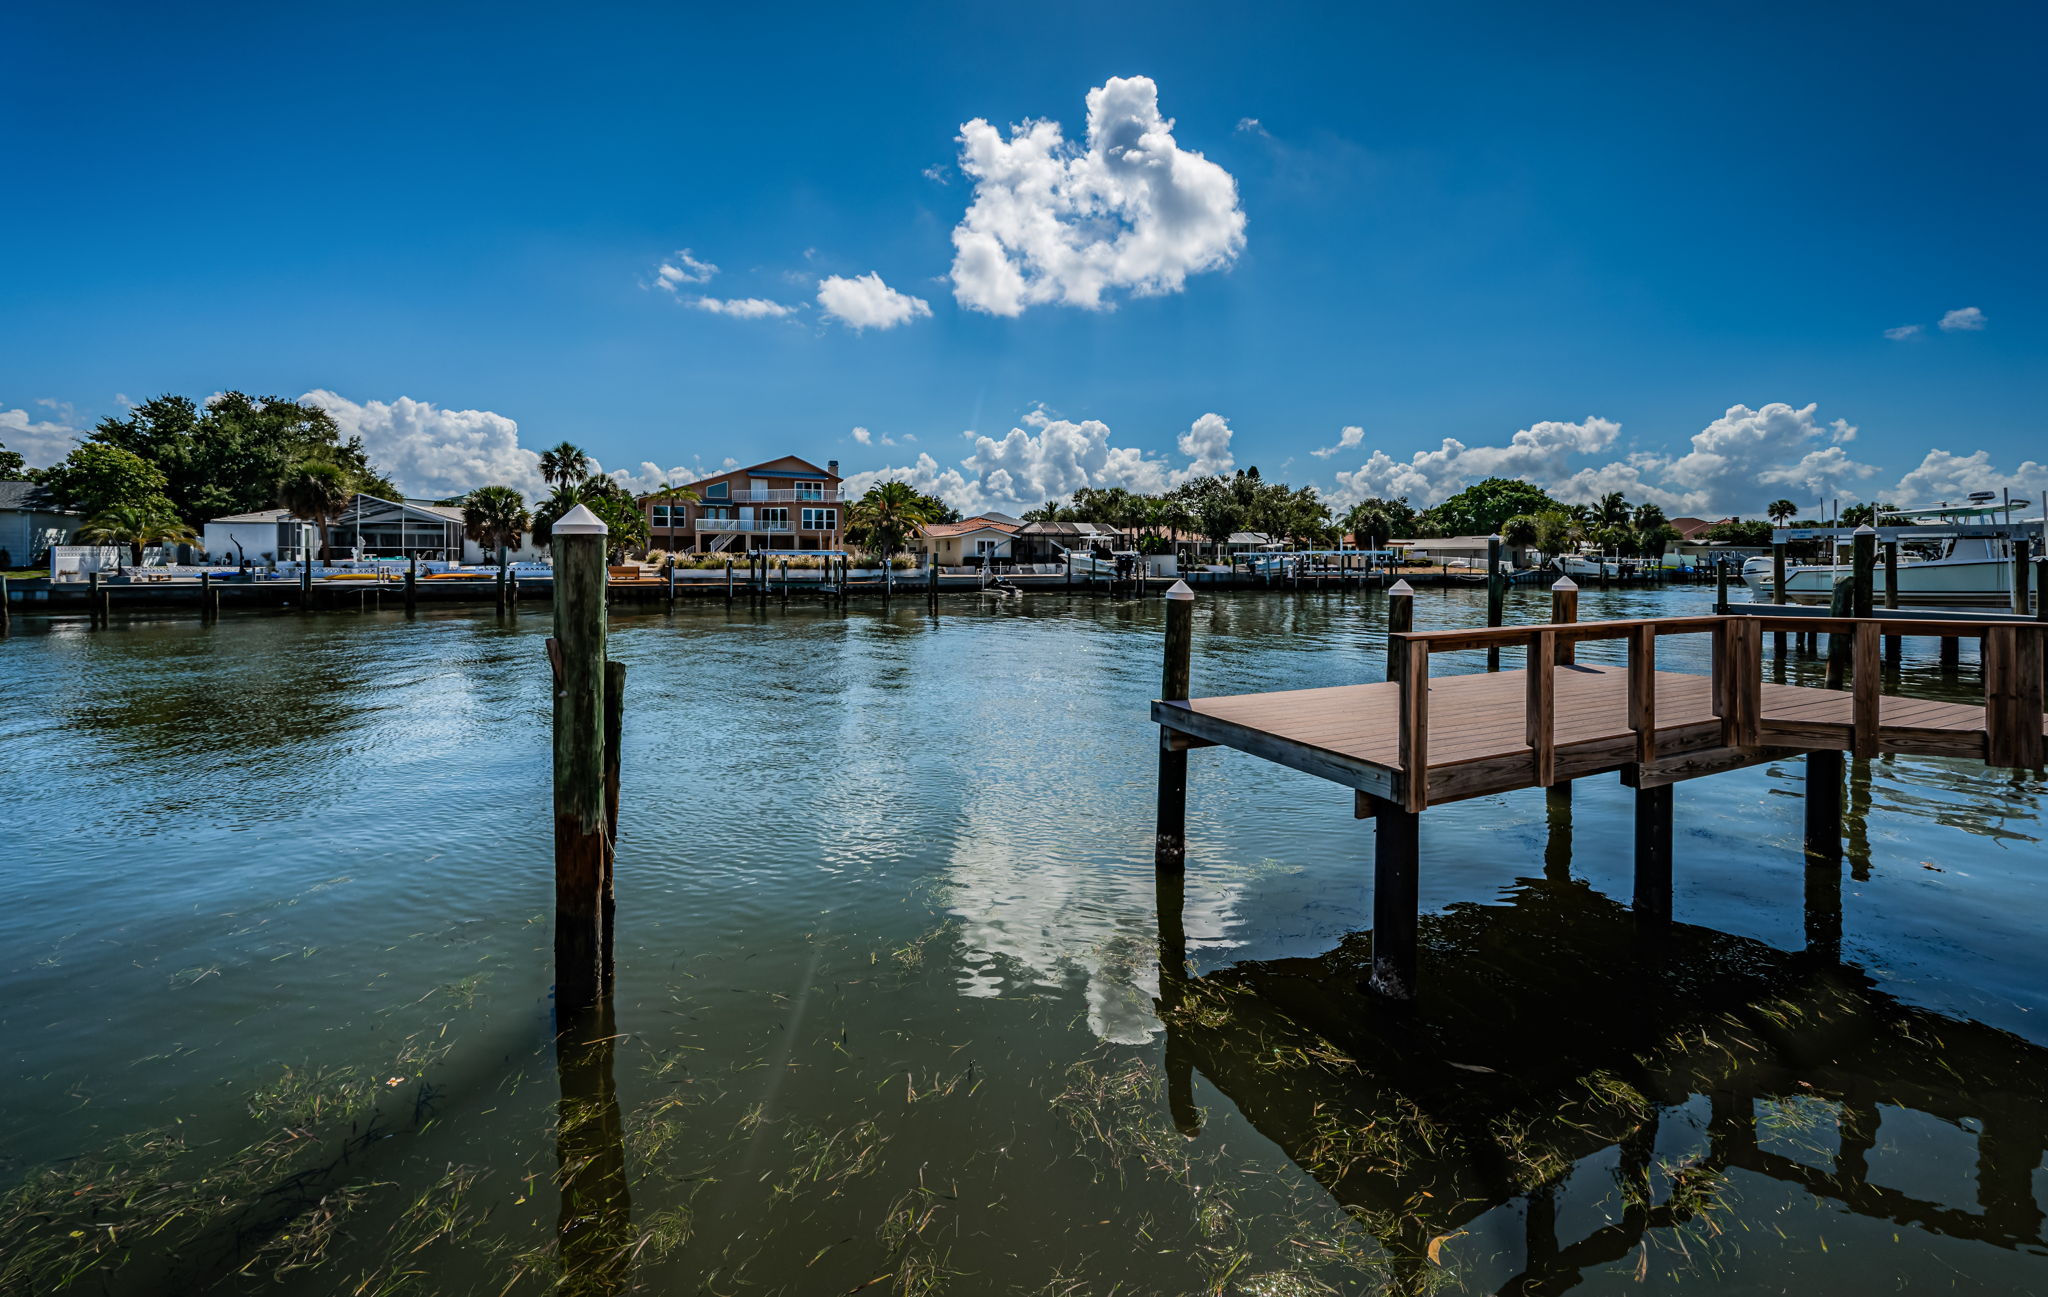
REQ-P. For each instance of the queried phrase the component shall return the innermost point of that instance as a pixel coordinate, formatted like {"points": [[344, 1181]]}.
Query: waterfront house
{"points": [[981, 539], [1465, 551], [31, 522], [785, 504]]}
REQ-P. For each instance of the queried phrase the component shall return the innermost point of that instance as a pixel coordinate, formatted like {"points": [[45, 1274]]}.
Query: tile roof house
{"points": [[955, 544]]}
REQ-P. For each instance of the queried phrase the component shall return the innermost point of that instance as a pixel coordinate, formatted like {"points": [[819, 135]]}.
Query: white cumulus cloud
{"points": [[1965, 319], [743, 308], [1539, 453], [1346, 439], [1902, 332], [1945, 475], [1049, 458], [682, 268], [865, 302], [40, 442], [1055, 222]]}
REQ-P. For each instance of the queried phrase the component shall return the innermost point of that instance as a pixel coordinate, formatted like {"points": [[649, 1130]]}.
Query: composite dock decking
{"points": [[1477, 735]]}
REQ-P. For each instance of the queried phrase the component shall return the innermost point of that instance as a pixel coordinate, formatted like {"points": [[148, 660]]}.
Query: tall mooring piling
{"points": [[588, 695], [1170, 849]]}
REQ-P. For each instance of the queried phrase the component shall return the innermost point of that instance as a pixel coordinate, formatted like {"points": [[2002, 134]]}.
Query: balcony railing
{"points": [[743, 524], [764, 495]]}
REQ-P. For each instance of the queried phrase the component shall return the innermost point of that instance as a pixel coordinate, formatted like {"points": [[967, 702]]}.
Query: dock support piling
{"points": [[1557, 844], [614, 728], [671, 574], [1823, 851], [6, 609], [1564, 610], [1400, 621], [1653, 853], [1169, 850], [2021, 548], [412, 586], [728, 581], [578, 650], [1720, 586], [1840, 604], [1891, 595], [1396, 895], [205, 597]]}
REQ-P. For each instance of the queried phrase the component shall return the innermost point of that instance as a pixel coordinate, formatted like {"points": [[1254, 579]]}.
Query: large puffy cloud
{"points": [[1048, 458], [1946, 476], [1735, 464], [1051, 222], [434, 452], [40, 442], [865, 302], [1539, 452]]}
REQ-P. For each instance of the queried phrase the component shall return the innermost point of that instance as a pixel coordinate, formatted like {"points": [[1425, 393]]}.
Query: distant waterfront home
{"points": [[984, 538], [380, 528], [786, 503], [1469, 551], [31, 522]]}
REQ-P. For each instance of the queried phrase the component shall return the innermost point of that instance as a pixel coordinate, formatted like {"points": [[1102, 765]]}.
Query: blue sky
{"points": [[1604, 246]]}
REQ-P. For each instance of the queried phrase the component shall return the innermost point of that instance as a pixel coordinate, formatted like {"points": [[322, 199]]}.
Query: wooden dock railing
{"points": [[2012, 655]]}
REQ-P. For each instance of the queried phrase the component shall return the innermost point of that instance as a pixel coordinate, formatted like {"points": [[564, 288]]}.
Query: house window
{"points": [[716, 515], [661, 515], [717, 491], [810, 491], [821, 519], [987, 548], [773, 519]]}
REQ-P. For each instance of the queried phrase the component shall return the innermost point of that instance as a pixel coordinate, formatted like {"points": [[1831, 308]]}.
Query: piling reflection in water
{"points": [[1547, 1032], [594, 1227]]}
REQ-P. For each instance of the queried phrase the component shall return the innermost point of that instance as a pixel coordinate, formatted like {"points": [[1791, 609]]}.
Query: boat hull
{"points": [[1970, 584]]}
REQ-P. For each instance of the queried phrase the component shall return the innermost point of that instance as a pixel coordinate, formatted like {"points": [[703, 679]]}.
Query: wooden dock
{"points": [[1414, 742]]}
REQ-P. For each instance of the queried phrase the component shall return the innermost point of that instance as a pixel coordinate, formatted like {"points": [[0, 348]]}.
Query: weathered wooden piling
{"points": [[1840, 601], [1863, 571], [614, 728], [1778, 594], [6, 608], [412, 585], [1720, 584], [102, 600], [1400, 620], [578, 652], [2021, 548], [728, 580], [207, 609], [669, 570], [1496, 597], [1564, 609], [1170, 839]]}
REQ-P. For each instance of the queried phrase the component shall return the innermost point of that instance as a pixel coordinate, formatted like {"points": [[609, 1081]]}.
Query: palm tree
{"points": [[136, 523], [1050, 511], [317, 490], [1612, 511], [564, 498], [1780, 510], [495, 517], [887, 516], [564, 464]]}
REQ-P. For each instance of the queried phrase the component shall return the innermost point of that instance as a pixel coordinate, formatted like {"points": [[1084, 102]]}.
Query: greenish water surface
{"points": [[898, 1007]]}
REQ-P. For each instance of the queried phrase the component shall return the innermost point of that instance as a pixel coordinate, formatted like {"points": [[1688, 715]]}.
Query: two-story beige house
{"points": [[786, 504]]}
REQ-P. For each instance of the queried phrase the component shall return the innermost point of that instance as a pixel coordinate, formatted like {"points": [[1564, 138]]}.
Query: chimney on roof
{"points": [[832, 467]]}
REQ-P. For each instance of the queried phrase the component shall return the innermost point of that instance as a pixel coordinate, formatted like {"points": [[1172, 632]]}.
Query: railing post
{"points": [[1564, 610], [1868, 697], [1496, 597], [1414, 729], [1540, 707], [1400, 620], [578, 649], [1642, 691], [2012, 697], [1170, 839]]}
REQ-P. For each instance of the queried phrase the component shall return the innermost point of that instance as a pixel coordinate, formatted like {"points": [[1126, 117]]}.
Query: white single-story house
{"points": [[378, 528], [1469, 550], [959, 544], [31, 522]]}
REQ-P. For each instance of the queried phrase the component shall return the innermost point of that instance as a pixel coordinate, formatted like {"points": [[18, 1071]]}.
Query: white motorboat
{"points": [[1582, 565], [1954, 565]]}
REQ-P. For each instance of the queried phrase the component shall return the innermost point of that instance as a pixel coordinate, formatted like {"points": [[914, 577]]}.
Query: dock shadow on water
{"points": [[1564, 1053]]}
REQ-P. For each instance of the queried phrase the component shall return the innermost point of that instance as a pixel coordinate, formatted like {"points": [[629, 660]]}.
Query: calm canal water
{"points": [[890, 1016]]}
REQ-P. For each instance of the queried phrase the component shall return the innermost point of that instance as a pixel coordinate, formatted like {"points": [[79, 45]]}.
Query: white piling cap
{"points": [[1401, 587], [1866, 530], [1564, 583], [1179, 590], [580, 521]]}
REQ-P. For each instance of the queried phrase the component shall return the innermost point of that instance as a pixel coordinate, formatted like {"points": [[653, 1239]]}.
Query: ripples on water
{"points": [[274, 929]]}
